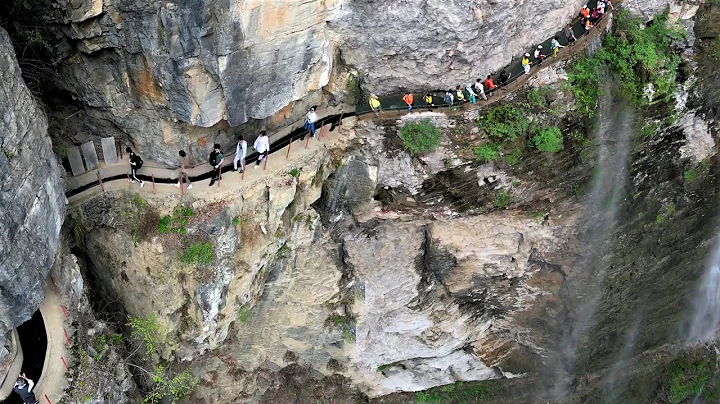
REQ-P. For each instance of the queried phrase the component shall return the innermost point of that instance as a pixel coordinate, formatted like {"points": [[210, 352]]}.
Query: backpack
{"points": [[138, 162], [212, 158]]}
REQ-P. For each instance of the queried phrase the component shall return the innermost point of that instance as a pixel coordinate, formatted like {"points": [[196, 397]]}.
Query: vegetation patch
{"points": [[487, 152], [198, 253], [549, 140], [637, 54], [243, 314], [687, 380], [177, 222], [502, 199], [460, 392], [504, 123], [170, 389], [147, 331], [420, 137]]}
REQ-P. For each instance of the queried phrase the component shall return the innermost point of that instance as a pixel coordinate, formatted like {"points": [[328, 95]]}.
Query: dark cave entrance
{"points": [[33, 340]]}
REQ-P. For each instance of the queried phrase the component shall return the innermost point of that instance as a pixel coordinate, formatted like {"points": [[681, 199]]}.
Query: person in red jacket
{"points": [[409, 100], [490, 84]]}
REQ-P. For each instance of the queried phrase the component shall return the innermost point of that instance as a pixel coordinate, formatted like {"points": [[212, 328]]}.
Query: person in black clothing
{"points": [[216, 160], [135, 163], [23, 388], [503, 77]]}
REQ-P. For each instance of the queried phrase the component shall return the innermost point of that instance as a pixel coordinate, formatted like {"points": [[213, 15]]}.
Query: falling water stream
{"points": [[584, 284], [705, 320]]}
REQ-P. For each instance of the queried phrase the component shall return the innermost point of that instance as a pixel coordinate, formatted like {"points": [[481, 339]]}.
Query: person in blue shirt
{"points": [[23, 387]]}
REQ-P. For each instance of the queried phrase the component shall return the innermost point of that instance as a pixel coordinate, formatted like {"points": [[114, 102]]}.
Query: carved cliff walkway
{"points": [[288, 141]]}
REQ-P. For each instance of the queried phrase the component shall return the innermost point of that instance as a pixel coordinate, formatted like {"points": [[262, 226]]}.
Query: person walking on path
{"points": [[262, 145], [471, 94], [585, 12], [136, 163], [216, 160], [182, 175], [570, 34], [409, 100], [503, 78], [539, 56], [555, 45], [526, 63], [449, 98], [429, 100], [240, 153], [310, 122], [480, 88], [459, 94], [375, 104], [490, 84], [23, 387]]}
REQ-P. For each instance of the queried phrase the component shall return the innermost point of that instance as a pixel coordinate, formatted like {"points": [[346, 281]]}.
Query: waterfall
{"points": [[583, 287], [705, 321]]}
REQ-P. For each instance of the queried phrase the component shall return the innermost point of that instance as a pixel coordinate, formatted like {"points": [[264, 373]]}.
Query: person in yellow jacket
{"points": [[526, 63], [375, 104], [429, 99]]}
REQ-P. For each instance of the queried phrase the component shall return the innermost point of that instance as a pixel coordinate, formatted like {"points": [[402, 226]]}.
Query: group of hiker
{"points": [[216, 158], [468, 92], [484, 88]]}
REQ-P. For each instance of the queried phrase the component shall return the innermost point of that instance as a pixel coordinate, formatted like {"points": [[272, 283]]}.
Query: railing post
{"points": [[340, 124], [219, 176], [307, 142], [100, 181], [182, 183], [153, 180], [287, 156], [267, 157]]}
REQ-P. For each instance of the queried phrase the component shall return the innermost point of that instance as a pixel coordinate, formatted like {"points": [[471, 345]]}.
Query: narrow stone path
{"points": [[393, 106]]}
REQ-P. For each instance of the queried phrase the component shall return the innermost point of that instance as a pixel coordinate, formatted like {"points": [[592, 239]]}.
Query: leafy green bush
{"points": [[294, 172], [146, 330], [504, 123], [513, 157], [502, 199], [549, 140], [486, 152], [176, 222], [420, 137], [687, 380], [636, 55], [690, 175], [198, 253], [243, 314], [168, 389]]}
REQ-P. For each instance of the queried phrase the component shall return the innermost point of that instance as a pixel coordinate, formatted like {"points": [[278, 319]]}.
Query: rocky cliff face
{"points": [[166, 76], [32, 200], [430, 45]]}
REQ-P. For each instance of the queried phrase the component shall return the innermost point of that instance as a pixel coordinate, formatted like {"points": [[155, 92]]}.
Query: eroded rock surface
{"points": [[32, 200]]}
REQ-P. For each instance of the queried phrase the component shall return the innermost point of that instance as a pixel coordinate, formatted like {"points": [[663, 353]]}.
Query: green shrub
{"points": [[636, 55], [243, 314], [164, 224], [535, 97], [199, 253], [294, 172], [687, 380], [513, 157], [420, 137], [236, 221], [177, 222], [170, 390], [146, 330], [549, 140], [504, 123], [502, 199], [690, 175], [486, 152]]}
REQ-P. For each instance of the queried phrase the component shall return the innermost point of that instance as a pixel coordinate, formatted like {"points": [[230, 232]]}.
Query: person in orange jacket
{"points": [[409, 100]]}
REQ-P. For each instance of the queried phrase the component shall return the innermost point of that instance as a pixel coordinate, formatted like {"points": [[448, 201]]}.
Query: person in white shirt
{"points": [[480, 88], [310, 121], [240, 153], [262, 145]]}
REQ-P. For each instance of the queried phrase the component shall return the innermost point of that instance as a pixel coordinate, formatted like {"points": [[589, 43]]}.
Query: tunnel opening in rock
{"points": [[33, 340]]}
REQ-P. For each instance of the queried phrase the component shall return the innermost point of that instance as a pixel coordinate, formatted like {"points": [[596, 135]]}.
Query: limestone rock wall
{"points": [[425, 44], [170, 75], [32, 200]]}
